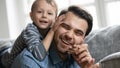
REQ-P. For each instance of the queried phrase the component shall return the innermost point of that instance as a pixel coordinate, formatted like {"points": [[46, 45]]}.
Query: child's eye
{"points": [[50, 13], [39, 11]]}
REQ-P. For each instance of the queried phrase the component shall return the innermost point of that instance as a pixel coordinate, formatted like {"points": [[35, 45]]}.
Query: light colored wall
{"points": [[12, 18], [4, 30], [16, 17]]}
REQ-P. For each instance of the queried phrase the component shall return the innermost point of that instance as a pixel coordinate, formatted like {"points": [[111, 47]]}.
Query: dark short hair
{"points": [[81, 13]]}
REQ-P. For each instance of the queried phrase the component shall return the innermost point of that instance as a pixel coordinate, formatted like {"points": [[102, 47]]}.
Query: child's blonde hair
{"points": [[51, 2]]}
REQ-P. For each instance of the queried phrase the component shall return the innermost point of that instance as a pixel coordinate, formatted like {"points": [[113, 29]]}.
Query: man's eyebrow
{"points": [[79, 30], [65, 24]]}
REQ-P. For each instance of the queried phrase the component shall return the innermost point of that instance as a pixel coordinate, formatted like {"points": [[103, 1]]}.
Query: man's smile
{"points": [[66, 42]]}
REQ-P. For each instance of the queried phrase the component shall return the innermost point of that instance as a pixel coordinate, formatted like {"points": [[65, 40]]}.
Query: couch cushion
{"points": [[5, 42], [104, 41], [5, 45], [111, 61]]}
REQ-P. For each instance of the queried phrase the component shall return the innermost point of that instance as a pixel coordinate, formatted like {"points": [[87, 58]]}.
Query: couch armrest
{"points": [[5, 45], [111, 61]]}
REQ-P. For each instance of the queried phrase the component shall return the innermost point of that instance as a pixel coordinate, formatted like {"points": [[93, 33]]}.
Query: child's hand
{"points": [[58, 21]]}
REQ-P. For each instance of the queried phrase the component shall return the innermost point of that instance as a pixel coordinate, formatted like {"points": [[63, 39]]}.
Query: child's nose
{"points": [[44, 14]]}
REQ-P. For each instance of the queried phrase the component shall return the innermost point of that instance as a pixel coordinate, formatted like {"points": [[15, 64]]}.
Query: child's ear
{"points": [[31, 15]]}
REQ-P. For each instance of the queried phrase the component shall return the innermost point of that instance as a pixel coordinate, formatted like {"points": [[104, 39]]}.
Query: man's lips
{"points": [[64, 41], [65, 45], [68, 45]]}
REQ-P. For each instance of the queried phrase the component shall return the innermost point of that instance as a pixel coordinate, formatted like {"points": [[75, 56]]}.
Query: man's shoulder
{"points": [[25, 58], [25, 54]]}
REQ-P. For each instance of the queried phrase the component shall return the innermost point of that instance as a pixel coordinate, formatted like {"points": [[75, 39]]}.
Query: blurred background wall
{"points": [[14, 14]]}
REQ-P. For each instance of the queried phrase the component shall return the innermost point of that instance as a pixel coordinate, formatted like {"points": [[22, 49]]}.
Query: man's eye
{"points": [[79, 33]]}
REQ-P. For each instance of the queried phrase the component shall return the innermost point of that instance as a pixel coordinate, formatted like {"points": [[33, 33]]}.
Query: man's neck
{"points": [[63, 56]]}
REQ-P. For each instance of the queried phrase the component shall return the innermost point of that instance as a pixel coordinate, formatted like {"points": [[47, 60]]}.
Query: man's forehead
{"points": [[70, 15]]}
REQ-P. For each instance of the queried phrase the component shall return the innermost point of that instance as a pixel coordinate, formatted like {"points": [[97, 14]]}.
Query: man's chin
{"points": [[64, 52]]}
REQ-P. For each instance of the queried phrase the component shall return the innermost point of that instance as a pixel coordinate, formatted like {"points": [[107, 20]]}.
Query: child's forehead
{"points": [[51, 3]]}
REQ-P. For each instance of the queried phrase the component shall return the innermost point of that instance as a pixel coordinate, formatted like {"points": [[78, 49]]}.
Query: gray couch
{"points": [[104, 46], [5, 45]]}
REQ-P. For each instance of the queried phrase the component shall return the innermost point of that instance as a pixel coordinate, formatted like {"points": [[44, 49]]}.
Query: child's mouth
{"points": [[43, 21]]}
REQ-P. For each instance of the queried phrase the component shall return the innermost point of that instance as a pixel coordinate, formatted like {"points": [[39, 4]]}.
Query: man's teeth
{"points": [[66, 42]]}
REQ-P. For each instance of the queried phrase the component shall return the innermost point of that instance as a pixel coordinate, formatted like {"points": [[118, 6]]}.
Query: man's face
{"points": [[70, 32]]}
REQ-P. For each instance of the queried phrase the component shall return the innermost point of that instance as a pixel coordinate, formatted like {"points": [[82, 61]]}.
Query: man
{"points": [[67, 49]]}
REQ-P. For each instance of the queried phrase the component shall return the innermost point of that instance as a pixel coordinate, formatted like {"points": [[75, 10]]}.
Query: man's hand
{"points": [[82, 56]]}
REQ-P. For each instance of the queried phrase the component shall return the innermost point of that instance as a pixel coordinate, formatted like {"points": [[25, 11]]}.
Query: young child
{"points": [[43, 14]]}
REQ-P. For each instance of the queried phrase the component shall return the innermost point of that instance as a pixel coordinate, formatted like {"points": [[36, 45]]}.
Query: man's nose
{"points": [[69, 37]]}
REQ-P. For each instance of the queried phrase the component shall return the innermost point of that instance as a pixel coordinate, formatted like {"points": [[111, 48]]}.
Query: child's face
{"points": [[43, 15]]}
